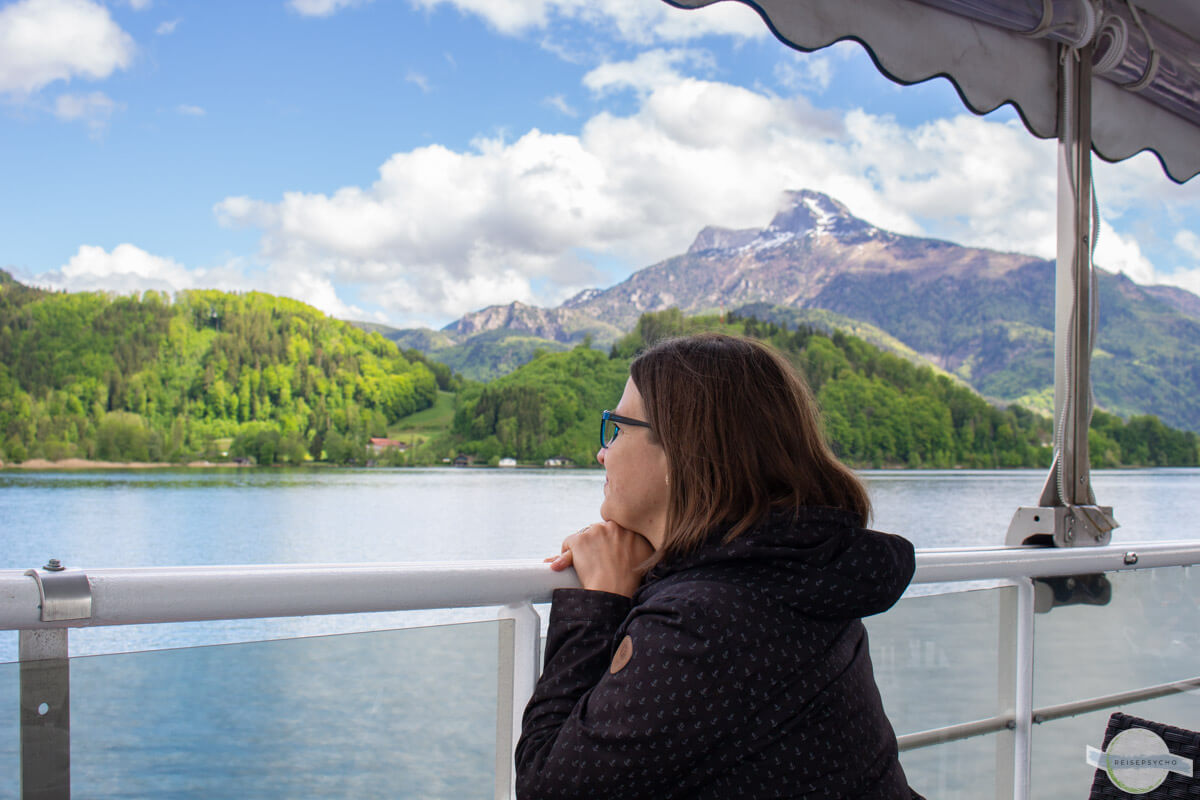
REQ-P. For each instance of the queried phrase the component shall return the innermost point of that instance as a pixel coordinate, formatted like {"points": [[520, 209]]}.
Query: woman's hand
{"points": [[606, 557]]}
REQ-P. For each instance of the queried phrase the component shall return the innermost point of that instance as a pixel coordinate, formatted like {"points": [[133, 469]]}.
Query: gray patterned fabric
{"points": [[746, 673]]}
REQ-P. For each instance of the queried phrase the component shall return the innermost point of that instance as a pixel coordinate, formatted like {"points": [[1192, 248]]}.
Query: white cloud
{"points": [[167, 27], [322, 8], [650, 70], [805, 71], [1183, 278], [1187, 277], [560, 104], [128, 268], [190, 111], [964, 178], [1189, 243], [1135, 196], [635, 21], [139, 5], [316, 290], [418, 80], [1118, 253], [42, 41], [94, 109], [1137, 183], [442, 232]]}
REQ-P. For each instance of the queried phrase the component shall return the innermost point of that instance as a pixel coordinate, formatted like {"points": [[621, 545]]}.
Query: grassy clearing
{"points": [[434, 419]]}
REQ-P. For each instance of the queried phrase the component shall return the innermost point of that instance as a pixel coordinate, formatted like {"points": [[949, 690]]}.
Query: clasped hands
{"points": [[606, 557]]}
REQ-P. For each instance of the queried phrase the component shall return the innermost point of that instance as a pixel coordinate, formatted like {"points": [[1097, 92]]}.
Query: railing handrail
{"points": [[141, 595]]}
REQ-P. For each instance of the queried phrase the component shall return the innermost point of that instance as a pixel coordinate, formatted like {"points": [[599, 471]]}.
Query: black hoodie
{"points": [[739, 670]]}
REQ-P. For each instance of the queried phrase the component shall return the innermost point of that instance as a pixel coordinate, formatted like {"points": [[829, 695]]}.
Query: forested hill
{"points": [[149, 378], [153, 378], [878, 408]]}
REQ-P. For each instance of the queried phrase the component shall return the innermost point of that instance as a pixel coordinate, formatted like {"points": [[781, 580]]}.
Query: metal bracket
{"points": [[46, 684], [65, 594], [1061, 526], [45, 715], [1071, 590]]}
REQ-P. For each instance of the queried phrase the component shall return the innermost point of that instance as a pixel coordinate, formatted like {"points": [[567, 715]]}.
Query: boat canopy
{"points": [[1145, 57]]}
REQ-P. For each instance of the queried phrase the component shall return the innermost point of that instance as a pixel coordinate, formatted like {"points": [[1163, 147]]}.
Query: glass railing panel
{"points": [[943, 646], [940, 660], [961, 770], [1146, 634], [389, 714], [10, 730]]}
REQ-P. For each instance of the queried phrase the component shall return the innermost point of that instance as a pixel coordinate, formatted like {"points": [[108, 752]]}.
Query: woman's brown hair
{"points": [[742, 435]]}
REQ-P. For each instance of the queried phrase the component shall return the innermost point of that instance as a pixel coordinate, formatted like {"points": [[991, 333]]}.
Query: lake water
{"points": [[411, 713], [226, 516]]}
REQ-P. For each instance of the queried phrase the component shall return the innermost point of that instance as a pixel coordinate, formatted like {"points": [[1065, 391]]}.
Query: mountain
{"points": [[496, 340], [984, 316], [797, 260], [565, 324], [423, 339], [492, 353]]}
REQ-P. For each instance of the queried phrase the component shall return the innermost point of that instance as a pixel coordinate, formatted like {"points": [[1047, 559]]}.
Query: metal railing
{"points": [[44, 604]]}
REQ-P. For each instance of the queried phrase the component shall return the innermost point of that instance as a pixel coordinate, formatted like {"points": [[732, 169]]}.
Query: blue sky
{"points": [[407, 161]]}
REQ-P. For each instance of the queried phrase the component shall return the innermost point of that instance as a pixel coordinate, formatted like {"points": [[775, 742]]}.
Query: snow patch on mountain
{"points": [[584, 297]]}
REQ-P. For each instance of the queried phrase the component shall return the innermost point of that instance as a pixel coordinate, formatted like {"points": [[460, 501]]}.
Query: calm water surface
{"points": [[187, 517]]}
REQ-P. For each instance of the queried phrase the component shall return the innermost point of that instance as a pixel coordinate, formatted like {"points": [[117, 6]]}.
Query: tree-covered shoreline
{"points": [[153, 378], [210, 375], [879, 410]]}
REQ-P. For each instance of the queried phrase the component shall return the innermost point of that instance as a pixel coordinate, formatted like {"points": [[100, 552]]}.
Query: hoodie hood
{"points": [[817, 560]]}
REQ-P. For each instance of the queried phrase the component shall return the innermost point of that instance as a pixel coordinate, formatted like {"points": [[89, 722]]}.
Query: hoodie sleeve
{"points": [[643, 723], [876, 569]]}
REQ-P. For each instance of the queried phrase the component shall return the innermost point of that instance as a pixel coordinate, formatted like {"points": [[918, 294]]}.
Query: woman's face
{"points": [[635, 489]]}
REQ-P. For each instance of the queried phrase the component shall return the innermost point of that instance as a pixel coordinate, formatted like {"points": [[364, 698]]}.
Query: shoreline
{"points": [[68, 464], [84, 463]]}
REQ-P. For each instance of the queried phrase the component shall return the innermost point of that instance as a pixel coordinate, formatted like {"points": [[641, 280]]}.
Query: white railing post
{"points": [[1023, 710], [520, 665], [1006, 689], [505, 740]]}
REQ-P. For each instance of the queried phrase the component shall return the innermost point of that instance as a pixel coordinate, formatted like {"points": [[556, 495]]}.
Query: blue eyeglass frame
{"points": [[607, 417]]}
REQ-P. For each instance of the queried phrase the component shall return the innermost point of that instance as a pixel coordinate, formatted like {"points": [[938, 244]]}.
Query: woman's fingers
{"points": [[605, 557], [566, 558], [562, 560]]}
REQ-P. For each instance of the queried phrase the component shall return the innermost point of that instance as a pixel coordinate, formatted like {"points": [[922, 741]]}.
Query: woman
{"points": [[737, 667]]}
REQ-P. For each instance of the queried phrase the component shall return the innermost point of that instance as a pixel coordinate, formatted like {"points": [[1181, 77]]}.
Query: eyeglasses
{"points": [[610, 426]]}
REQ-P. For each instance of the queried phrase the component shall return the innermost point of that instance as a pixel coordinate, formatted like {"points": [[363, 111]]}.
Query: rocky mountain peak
{"points": [[514, 315], [559, 324], [714, 238], [809, 213], [803, 213]]}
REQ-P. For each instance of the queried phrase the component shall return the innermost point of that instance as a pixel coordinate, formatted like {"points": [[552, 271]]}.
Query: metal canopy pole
{"points": [[1067, 514]]}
